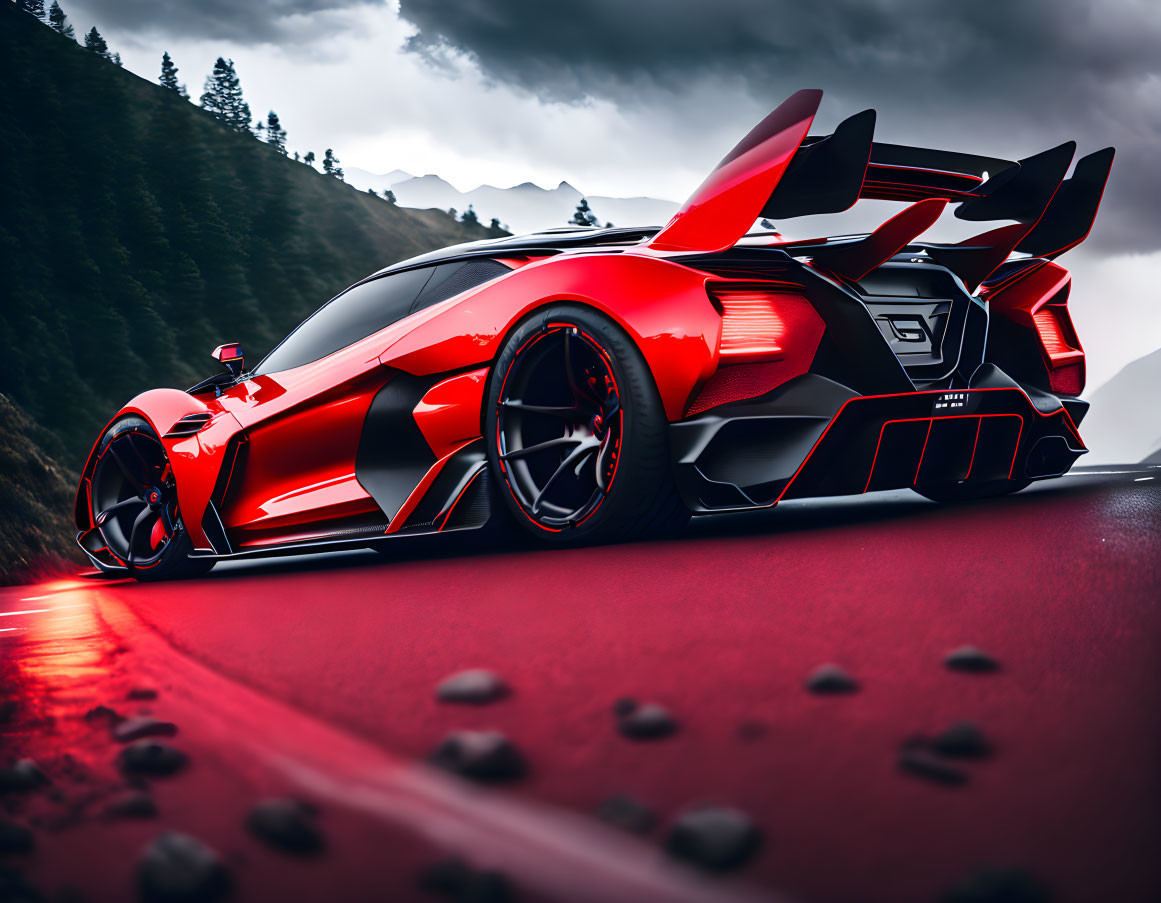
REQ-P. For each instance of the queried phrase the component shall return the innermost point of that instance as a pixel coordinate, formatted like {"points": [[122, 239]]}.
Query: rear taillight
{"points": [[753, 327]]}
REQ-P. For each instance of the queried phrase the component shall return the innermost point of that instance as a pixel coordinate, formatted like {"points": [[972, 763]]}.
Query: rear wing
{"points": [[778, 171]]}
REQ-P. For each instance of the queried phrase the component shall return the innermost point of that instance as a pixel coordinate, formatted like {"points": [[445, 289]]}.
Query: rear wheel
{"points": [[134, 499], [950, 493], [576, 434]]}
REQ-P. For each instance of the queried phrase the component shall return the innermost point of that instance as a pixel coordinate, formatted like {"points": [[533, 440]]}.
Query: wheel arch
{"points": [[662, 306], [195, 468]]}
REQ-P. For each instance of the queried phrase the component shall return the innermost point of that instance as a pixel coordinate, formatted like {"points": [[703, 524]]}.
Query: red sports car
{"points": [[605, 383]]}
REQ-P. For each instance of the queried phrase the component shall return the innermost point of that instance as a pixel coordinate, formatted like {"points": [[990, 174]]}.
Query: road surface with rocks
{"points": [[763, 708]]}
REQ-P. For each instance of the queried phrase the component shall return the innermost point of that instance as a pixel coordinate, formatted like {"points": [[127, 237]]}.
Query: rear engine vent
{"points": [[189, 425]]}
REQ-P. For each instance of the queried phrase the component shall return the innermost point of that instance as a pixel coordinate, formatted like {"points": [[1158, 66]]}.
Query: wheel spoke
{"points": [[573, 459], [104, 515], [141, 518], [578, 391], [541, 446], [554, 410]]}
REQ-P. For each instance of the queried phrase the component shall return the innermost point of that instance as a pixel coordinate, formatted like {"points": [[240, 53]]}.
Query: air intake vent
{"points": [[189, 425]]}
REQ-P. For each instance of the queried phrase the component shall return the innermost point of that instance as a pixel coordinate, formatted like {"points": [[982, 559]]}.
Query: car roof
{"points": [[548, 241]]}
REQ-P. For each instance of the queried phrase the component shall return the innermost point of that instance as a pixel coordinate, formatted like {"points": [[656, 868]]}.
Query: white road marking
{"points": [[37, 611], [10, 629], [1142, 479], [1098, 473]]}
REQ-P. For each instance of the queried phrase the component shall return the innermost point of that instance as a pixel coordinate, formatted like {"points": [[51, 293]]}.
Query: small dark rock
{"points": [[7, 710], [140, 727], [133, 804], [624, 706], [15, 838], [830, 679], [998, 885], [151, 757], [141, 694], [176, 868], [925, 764], [287, 824], [481, 755], [647, 722], [627, 813], [21, 776], [103, 713], [459, 882], [962, 740], [476, 686], [970, 659], [714, 838]]}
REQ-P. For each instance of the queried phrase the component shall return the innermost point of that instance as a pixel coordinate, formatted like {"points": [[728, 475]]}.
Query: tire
{"points": [[134, 501], [953, 493], [570, 377]]}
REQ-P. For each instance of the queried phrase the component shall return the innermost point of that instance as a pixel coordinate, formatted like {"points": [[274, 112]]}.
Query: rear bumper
{"points": [[755, 455]]}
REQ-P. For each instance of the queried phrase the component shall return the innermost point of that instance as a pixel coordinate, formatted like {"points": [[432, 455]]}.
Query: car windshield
{"points": [[355, 314]]}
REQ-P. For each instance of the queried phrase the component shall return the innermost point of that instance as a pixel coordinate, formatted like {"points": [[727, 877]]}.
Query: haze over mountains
{"points": [[521, 208]]}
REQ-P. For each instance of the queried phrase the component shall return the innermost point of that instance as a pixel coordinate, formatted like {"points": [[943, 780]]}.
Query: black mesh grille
{"points": [[452, 278]]}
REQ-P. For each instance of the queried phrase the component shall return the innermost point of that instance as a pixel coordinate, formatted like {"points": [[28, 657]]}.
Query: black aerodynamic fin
{"points": [[974, 260], [855, 258], [1069, 218], [826, 174], [1022, 192], [936, 160]]}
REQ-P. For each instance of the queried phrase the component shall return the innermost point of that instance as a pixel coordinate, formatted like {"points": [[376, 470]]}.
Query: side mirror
{"points": [[230, 357]]}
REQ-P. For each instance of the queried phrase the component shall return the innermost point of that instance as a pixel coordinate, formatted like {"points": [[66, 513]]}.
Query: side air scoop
{"points": [[726, 204]]}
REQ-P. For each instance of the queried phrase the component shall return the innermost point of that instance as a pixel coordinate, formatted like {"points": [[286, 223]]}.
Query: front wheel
{"points": [[134, 504], [576, 434]]}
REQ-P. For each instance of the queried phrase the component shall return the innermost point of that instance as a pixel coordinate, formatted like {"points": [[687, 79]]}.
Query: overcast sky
{"points": [[628, 97]]}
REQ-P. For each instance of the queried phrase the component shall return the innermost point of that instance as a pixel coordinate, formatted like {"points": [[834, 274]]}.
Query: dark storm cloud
{"points": [[1003, 78], [254, 22]]}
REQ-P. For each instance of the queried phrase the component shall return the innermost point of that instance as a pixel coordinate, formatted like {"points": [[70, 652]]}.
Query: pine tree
{"points": [[169, 76], [33, 8], [59, 21], [331, 165], [470, 218], [96, 43], [372, 191], [309, 159], [115, 58], [389, 196], [275, 134], [584, 215], [223, 97]]}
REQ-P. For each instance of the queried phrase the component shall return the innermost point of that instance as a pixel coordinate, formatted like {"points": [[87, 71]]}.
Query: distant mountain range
{"points": [[1124, 424], [521, 208]]}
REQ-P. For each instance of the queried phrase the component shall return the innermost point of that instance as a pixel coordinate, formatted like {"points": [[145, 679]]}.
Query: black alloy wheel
{"points": [[134, 503], [577, 437]]}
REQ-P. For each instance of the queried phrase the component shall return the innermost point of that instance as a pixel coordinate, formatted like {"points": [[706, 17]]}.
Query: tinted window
{"points": [[449, 279], [353, 315]]}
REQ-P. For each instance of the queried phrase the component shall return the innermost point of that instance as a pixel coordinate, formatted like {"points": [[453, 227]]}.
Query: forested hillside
{"points": [[137, 232]]}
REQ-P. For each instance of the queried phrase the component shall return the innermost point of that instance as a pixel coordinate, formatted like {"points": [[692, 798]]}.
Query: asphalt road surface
{"points": [[334, 659]]}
